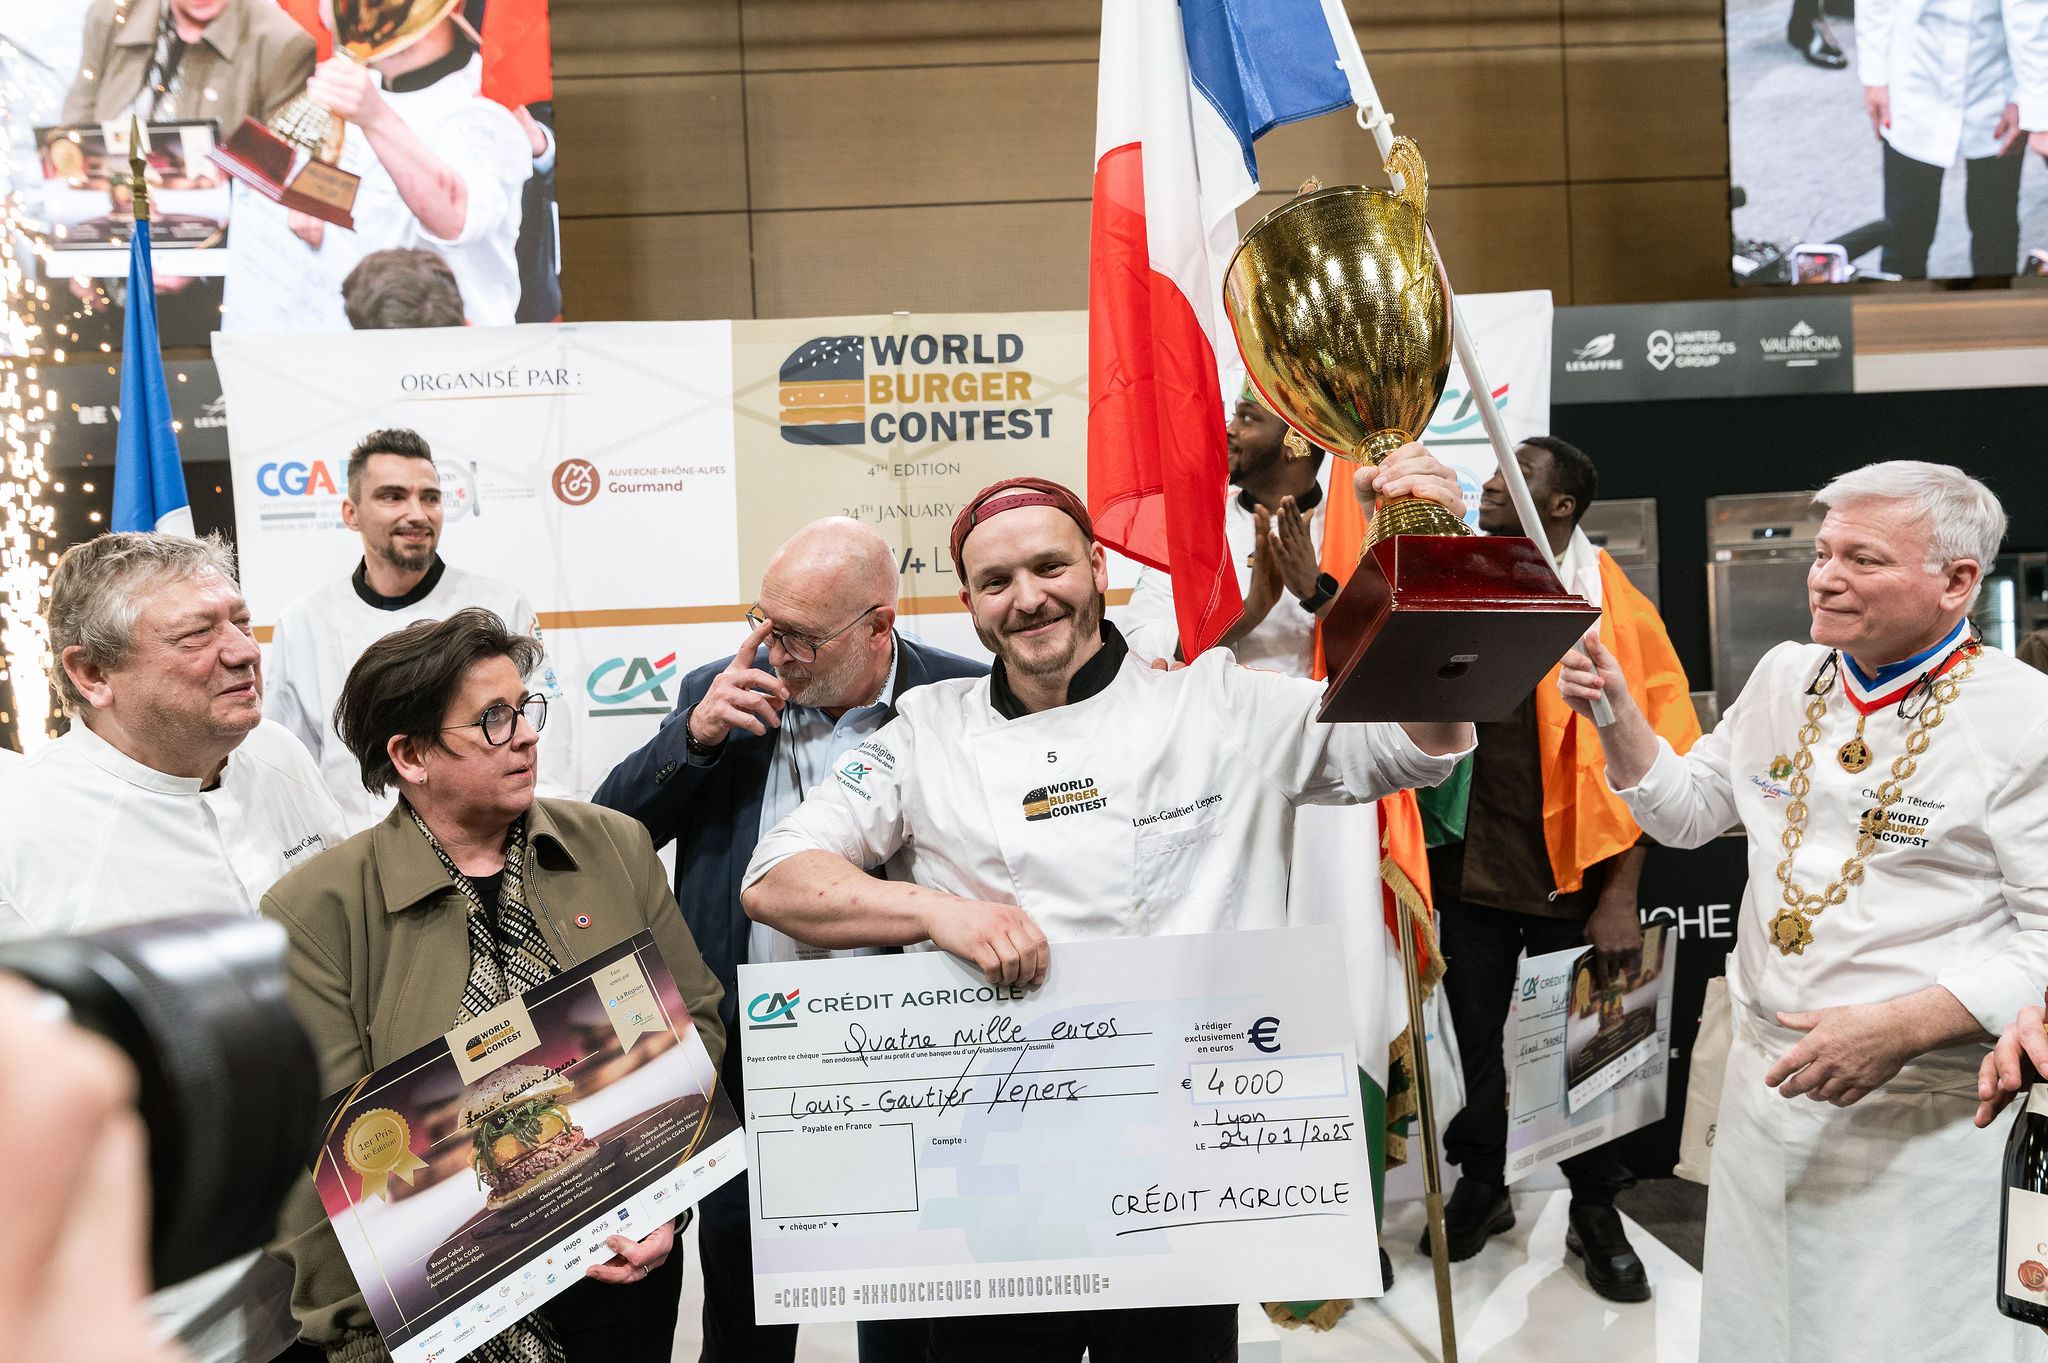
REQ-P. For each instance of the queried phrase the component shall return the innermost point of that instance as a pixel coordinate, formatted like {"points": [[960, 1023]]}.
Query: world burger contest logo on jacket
{"points": [[1063, 798], [949, 387]]}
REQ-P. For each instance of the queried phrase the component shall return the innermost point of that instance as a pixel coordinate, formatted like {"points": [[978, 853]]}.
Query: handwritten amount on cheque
{"points": [[1002, 1048]]}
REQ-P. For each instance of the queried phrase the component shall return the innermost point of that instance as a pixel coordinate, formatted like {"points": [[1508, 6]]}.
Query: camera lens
{"points": [[229, 1084]]}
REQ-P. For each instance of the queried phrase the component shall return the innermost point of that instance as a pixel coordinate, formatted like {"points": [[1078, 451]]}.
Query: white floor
{"points": [[1522, 1298]]}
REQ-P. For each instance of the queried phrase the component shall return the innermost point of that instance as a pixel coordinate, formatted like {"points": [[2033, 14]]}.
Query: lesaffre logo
{"points": [[772, 1010], [1595, 356], [1801, 347], [1064, 798], [956, 387], [294, 479], [636, 679], [575, 481]]}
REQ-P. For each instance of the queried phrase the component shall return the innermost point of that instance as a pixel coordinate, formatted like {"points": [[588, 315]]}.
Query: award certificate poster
{"points": [[480, 1176], [1167, 1121], [1589, 1060]]}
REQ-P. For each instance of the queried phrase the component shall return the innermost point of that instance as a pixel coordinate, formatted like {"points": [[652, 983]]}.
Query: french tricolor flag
{"points": [[1185, 90]]}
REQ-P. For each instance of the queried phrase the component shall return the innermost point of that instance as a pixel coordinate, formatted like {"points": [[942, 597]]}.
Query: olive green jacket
{"points": [[249, 61], [378, 958]]}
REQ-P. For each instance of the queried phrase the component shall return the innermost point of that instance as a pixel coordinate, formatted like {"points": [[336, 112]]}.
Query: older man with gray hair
{"points": [[820, 670], [1893, 779], [170, 795]]}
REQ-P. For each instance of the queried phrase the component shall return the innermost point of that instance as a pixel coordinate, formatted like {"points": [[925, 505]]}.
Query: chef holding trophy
{"points": [[393, 146], [1193, 775]]}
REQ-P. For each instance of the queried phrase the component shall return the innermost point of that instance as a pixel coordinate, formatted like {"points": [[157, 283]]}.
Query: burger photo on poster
{"points": [[522, 1136]]}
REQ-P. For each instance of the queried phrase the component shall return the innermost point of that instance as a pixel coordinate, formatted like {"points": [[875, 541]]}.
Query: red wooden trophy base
{"points": [[1446, 627], [260, 159]]}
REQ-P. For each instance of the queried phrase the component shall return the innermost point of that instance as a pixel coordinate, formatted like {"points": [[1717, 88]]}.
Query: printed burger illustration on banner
{"points": [[520, 1142]]}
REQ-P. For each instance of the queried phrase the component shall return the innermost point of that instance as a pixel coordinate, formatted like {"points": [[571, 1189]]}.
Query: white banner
{"points": [[632, 478], [1511, 331]]}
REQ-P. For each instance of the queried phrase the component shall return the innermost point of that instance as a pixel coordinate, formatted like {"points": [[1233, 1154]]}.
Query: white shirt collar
{"points": [[121, 766]]}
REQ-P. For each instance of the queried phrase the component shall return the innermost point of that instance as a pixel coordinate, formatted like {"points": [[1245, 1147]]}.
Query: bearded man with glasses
{"points": [[820, 670]]}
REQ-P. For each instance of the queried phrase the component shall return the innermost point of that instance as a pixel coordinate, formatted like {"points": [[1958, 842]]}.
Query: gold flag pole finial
{"points": [[138, 178]]}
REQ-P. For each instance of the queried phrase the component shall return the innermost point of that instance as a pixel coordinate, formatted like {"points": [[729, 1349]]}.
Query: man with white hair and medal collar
{"points": [[1893, 779]]}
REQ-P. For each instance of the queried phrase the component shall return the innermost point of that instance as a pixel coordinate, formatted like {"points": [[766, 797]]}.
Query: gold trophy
{"points": [[266, 157], [1343, 315]]}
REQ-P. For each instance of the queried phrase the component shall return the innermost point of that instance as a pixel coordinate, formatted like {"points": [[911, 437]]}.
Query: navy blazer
{"points": [[714, 813]]}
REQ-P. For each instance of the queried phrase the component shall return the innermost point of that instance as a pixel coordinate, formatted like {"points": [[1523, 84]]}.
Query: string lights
{"points": [[27, 520]]}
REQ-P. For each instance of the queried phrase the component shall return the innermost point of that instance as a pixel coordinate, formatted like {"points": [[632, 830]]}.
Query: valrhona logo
{"points": [[1063, 798]]}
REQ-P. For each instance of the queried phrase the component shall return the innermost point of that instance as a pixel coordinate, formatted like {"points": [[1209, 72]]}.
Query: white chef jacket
{"points": [[95, 839], [1950, 67], [477, 138], [1285, 641], [1164, 803], [1895, 1195], [318, 639]]}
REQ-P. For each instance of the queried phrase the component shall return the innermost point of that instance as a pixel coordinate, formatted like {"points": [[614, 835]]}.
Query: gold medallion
{"points": [[1791, 934], [1853, 755], [378, 1145]]}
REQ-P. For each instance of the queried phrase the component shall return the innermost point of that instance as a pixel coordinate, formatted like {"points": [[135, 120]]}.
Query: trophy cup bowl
{"points": [[1342, 312], [263, 155]]}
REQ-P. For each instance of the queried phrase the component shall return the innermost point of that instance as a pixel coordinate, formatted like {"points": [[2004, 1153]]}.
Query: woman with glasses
{"points": [[470, 891]]}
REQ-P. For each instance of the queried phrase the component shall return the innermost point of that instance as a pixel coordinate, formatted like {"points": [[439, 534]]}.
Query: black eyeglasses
{"points": [[802, 647], [500, 721]]}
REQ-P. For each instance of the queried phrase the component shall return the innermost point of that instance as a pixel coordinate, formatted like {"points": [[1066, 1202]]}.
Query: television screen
{"points": [[1887, 139]]}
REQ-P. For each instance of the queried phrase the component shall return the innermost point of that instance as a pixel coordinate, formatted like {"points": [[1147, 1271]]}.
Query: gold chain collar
{"points": [[1792, 928]]}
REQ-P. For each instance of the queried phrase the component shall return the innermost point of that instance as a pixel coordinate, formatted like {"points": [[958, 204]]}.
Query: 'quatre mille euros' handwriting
{"points": [[947, 1091]]}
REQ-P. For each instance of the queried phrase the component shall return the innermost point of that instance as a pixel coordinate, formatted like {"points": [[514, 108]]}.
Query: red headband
{"points": [[1008, 495]]}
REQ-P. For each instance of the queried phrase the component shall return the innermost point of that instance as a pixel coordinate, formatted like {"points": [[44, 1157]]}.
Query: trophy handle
{"points": [[1405, 160]]}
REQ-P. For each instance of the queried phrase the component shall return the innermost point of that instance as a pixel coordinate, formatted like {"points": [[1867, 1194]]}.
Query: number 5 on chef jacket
{"points": [[1168, 1121]]}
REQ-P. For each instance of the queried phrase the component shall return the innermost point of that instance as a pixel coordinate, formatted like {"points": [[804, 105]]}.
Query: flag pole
{"points": [[1373, 117]]}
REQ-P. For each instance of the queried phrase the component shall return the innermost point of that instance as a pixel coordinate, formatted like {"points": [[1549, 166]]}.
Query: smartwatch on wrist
{"points": [[1326, 589]]}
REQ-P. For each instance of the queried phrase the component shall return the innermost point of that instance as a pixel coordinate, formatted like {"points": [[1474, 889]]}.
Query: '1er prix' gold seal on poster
{"points": [[379, 1144]]}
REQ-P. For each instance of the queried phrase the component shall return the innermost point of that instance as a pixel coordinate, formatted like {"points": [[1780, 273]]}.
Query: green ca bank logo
{"points": [[772, 1010], [638, 680]]}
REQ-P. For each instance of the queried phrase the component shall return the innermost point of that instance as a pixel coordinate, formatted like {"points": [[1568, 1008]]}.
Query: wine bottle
{"points": [[2023, 1220]]}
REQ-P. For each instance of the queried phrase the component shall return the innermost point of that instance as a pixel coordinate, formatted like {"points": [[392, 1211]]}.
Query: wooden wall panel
{"points": [[628, 37], [1485, 117], [650, 144], [1449, 25], [948, 134], [1649, 241], [1646, 111], [790, 35], [971, 258], [824, 156], [683, 267]]}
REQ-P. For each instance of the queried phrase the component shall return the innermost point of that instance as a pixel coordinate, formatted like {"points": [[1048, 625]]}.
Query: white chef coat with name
{"points": [[1868, 1232], [1949, 67], [475, 137], [318, 639], [1163, 803], [1285, 641], [96, 839]]}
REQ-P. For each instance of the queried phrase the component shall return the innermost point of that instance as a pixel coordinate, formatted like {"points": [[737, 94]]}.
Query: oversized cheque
{"points": [[1168, 1121]]}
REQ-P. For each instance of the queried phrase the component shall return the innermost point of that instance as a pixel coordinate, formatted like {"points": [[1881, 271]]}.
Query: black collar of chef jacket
{"points": [[1305, 503], [360, 580], [1095, 675]]}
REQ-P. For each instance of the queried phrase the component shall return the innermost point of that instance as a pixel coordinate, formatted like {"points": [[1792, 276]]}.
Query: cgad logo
{"points": [[294, 479], [772, 1010], [958, 387], [641, 678]]}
